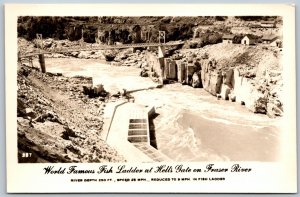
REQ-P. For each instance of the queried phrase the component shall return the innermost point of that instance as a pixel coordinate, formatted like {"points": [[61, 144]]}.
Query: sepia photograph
{"points": [[156, 98], [149, 88]]}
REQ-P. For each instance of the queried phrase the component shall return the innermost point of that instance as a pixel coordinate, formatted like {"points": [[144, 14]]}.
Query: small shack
{"points": [[272, 40], [269, 24], [228, 38], [248, 40]]}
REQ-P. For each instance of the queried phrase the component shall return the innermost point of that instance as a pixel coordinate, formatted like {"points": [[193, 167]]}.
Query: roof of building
{"points": [[228, 36], [269, 37], [250, 37]]}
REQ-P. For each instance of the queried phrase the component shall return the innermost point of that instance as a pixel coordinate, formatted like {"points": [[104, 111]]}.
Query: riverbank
{"points": [[57, 122]]}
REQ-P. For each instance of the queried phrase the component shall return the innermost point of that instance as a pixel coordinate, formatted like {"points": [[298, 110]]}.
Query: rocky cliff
{"points": [[249, 75]]}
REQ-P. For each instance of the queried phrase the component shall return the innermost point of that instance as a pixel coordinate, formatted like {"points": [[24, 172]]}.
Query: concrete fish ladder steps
{"points": [[127, 130]]}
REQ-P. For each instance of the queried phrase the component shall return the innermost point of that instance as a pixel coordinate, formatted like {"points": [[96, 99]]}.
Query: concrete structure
{"points": [[170, 69], [161, 51], [129, 133], [189, 72], [270, 24], [100, 37], [248, 40], [138, 129], [181, 66], [228, 38]]}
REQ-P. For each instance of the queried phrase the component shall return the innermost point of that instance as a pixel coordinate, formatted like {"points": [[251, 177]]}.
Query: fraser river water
{"points": [[191, 125]]}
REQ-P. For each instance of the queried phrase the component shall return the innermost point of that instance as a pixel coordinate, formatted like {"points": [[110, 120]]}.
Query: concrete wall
{"points": [[170, 70], [165, 68], [181, 71], [155, 63]]}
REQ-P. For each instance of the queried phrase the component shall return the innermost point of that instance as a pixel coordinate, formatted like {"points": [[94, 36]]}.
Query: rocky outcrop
{"points": [[243, 90]]}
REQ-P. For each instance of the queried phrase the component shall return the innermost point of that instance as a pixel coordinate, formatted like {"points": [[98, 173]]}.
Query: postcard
{"points": [[150, 98]]}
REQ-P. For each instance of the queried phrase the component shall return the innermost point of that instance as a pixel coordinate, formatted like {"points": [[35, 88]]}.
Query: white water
{"points": [[192, 124]]}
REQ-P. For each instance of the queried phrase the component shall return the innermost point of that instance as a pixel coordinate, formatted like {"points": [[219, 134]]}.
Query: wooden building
{"points": [[248, 40], [270, 24], [271, 40], [228, 38]]}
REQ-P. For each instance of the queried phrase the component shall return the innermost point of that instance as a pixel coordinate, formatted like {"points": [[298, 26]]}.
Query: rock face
{"points": [[211, 78], [58, 123], [245, 92], [236, 83]]}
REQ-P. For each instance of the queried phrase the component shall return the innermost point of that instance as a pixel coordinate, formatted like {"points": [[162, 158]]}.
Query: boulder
{"points": [[30, 113]]}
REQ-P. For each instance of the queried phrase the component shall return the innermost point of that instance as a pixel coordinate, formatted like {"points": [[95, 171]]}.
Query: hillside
{"points": [[129, 29]]}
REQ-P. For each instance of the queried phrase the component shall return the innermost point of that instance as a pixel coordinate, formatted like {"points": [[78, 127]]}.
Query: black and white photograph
{"points": [[167, 90], [149, 89]]}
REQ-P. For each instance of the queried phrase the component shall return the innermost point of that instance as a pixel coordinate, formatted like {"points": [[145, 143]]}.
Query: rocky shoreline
{"points": [[57, 122]]}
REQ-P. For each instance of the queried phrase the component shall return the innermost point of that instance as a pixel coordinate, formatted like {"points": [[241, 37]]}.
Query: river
{"points": [[191, 125]]}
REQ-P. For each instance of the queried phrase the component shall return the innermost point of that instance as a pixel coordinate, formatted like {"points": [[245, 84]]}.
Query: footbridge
{"points": [[95, 48]]}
